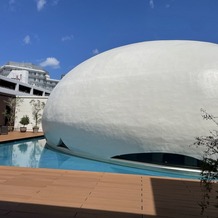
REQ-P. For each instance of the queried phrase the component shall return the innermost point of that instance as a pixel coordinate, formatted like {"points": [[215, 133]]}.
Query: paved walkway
{"points": [[27, 192]]}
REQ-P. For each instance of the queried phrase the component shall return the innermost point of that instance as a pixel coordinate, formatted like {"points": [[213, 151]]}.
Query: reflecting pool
{"points": [[35, 153]]}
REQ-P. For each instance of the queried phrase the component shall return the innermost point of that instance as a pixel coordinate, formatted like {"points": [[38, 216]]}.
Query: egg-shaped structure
{"points": [[138, 102]]}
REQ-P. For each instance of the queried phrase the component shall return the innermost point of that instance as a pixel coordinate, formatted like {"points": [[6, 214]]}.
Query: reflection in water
{"points": [[27, 154], [22, 154], [23, 147], [36, 154], [5, 155]]}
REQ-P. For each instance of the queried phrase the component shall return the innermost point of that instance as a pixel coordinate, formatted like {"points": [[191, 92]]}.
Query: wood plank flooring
{"points": [[16, 135]]}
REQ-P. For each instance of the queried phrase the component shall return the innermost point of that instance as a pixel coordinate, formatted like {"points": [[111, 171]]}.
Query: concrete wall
{"points": [[25, 108]]}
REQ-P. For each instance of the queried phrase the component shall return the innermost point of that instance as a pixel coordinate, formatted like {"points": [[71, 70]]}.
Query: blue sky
{"points": [[60, 34]]}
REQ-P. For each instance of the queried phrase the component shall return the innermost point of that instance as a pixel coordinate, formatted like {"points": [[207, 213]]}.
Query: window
{"points": [[167, 159]]}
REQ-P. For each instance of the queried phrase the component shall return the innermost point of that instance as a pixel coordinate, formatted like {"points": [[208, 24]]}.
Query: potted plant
{"points": [[24, 121], [37, 109]]}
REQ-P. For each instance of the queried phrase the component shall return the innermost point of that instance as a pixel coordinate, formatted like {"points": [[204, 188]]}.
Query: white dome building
{"points": [[138, 102]]}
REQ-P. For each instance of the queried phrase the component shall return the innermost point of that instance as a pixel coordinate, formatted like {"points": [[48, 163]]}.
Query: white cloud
{"points": [[55, 2], [50, 62], [40, 4], [27, 40], [95, 51], [151, 3], [11, 2], [67, 38], [11, 5]]}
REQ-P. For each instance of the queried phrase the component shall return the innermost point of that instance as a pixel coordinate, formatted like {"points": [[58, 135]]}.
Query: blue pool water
{"points": [[36, 154]]}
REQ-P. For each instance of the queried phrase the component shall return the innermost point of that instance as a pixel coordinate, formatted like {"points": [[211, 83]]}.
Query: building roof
{"points": [[15, 87], [24, 66]]}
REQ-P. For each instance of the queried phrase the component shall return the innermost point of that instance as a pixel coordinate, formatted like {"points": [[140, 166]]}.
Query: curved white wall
{"points": [[144, 97]]}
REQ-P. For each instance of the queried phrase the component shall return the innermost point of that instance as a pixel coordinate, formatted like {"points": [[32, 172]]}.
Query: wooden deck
{"points": [[16, 135], [28, 192]]}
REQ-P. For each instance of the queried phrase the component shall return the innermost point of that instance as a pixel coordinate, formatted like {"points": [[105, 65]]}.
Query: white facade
{"points": [[25, 108], [140, 98], [21, 75]]}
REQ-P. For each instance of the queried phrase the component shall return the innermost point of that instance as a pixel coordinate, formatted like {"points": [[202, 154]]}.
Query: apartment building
{"points": [[28, 73]]}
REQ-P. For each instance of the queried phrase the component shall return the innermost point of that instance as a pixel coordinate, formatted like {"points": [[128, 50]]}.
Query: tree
{"points": [[209, 168], [24, 120], [37, 107], [12, 109]]}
